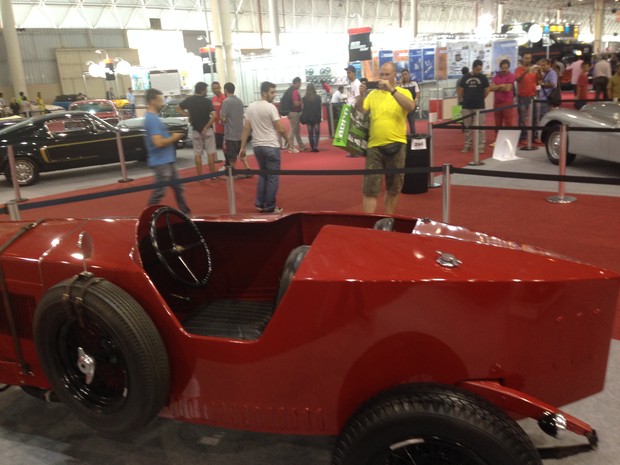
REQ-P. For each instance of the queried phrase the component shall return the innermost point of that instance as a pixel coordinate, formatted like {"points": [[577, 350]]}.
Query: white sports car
{"points": [[601, 145]]}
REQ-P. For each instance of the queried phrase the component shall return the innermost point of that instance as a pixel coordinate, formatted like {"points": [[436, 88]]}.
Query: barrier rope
{"points": [[417, 170]]}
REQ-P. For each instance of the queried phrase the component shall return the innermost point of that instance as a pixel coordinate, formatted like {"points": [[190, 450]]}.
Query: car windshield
{"points": [[92, 107], [169, 111]]}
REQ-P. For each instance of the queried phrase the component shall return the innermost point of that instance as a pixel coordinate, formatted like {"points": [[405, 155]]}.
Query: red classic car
{"points": [[412, 341]]}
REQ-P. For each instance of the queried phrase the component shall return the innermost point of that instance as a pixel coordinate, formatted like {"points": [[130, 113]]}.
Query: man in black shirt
{"points": [[473, 89], [202, 117]]}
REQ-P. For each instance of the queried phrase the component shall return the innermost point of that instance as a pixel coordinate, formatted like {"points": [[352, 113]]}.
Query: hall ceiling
{"points": [[435, 16]]}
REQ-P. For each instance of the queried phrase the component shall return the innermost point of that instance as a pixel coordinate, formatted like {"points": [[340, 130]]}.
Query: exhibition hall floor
{"points": [[33, 432]]}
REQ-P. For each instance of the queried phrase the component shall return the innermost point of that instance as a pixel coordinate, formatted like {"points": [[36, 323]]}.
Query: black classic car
{"points": [[65, 140], [174, 121]]}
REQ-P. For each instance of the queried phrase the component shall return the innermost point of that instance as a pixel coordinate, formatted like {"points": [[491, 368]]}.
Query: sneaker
{"points": [[537, 142], [315, 150], [466, 149], [293, 150], [258, 209], [275, 210], [243, 176], [352, 155]]}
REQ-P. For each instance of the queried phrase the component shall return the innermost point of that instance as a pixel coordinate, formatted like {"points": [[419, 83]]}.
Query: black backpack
{"points": [[286, 102]]}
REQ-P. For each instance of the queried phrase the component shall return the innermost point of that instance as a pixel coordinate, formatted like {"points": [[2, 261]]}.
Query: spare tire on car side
{"points": [[102, 354]]}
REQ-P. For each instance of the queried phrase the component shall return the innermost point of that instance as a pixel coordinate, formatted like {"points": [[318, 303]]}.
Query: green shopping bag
{"points": [[352, 131]]}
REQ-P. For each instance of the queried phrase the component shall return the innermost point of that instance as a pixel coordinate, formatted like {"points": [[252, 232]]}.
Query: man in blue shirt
{"points": [[161, 151]]}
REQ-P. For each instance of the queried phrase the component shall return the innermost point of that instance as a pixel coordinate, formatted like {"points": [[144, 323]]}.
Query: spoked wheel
{"points": [[105, 360], [429, 424], [553, 147], [27, 171], [180, 247]]}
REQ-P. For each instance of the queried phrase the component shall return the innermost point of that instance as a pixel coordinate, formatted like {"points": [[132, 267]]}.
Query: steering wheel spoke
{"points": [[180, 236]]}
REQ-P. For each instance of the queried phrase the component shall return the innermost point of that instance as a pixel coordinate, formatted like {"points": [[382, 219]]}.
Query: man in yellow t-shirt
{"points": [[387, 143]]}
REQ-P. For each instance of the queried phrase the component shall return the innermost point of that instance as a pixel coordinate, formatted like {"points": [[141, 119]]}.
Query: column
{"points": [[14, 55]]}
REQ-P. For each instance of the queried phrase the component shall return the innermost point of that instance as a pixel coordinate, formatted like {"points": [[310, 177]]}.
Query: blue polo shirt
{"points": [[157, 155]]}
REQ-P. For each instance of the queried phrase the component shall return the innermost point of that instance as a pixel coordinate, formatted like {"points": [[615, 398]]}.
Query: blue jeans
{"points": [[268, 158], [523, 109], [314, 132], [540, 109], [167, 174]]}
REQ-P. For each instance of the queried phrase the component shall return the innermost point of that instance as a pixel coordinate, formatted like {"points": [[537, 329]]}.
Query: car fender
{"points": [[405, 358]]}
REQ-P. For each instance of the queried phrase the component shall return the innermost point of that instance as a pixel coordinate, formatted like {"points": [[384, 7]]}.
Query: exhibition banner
{"points": [[505, 50], [441, 63], [359, 44], [385, 56], [481, 52], [401, 60], [428, 70], [415, 64], [458, 57]]}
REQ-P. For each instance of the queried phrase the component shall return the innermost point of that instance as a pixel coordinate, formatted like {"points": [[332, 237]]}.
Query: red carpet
{"points": [[587, 229]]}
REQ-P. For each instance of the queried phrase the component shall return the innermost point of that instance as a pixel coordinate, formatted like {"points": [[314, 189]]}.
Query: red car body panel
{"points": [[367, 310]]}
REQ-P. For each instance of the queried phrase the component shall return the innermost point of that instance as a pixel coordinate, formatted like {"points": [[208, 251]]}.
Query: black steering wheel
{"points": [[180, 247]]}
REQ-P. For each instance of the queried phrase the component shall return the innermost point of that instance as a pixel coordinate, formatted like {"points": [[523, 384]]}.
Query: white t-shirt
{"points": [[354, 91], [262, 116], [337, 97]]}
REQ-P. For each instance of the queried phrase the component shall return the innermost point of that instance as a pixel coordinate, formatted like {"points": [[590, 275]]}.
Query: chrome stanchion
{"points": [[330, 119], [11, 155], [13, 210], [431, 152], [530, 120], [230, 182], [476, 135], [561, 197], [447, 175], [121, 157]]}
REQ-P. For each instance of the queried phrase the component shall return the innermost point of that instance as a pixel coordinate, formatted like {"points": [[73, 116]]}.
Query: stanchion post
{"points": [[476, 135], [230, 182], [561, 197], [11, 155], [330, 119], [121, 157], [13, 210], [530, 118], [431, 152], [447, 175]]}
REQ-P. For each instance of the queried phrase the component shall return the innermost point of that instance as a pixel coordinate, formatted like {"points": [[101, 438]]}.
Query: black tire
{"points": [[432, 424], [132, 376], [552, 145], [27, 171]]}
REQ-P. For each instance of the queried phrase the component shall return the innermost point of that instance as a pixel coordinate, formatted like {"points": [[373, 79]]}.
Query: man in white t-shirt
{"points": [[263, 120], [575, 70], [354, 85]]}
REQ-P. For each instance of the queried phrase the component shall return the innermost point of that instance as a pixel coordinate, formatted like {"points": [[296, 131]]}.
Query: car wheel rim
{"points": [[90, 346], [24, 171], [554, 145], [429, 451]]}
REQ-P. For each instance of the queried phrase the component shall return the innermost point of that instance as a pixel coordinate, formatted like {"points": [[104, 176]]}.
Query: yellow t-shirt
{"points": [[388, 120]]}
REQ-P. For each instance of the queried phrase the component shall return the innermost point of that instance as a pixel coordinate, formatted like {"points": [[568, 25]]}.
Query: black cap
{"points": [[350, 68]]}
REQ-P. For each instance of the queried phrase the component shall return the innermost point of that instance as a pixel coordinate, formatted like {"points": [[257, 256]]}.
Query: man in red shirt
{"points": [[581, 88], [526, 79], [217, 100]]}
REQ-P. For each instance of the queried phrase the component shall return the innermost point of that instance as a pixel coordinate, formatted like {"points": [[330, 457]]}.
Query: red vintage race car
{"points": [[410, 340]]}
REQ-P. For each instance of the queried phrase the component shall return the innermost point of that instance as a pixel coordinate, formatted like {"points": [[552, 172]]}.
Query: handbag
{"points": [[555, 97], [303, 118], [352, 131]]}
